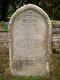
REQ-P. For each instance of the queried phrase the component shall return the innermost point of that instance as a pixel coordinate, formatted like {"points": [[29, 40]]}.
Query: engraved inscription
{"points": [[29, 39], [29, 43]]}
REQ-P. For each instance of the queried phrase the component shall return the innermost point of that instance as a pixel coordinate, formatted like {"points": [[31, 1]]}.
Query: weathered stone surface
{"points": [[4, 39], [30, 44]]}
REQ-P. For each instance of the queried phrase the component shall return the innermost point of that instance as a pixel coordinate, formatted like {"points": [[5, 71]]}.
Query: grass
{"points": [[55, 22], [55, 67], [6, 75]]}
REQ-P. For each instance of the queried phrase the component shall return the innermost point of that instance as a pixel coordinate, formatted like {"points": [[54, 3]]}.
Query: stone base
{"points": [[39, 69]]}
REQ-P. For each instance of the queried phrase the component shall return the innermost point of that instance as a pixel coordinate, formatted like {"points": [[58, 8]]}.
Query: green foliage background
{"points": [[8, 7]]}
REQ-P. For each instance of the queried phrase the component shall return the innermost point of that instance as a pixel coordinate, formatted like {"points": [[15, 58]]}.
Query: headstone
{"points": [[30, 45]]}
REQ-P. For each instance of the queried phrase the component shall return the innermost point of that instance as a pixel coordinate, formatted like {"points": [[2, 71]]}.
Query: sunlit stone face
{"points": [[29, 36], [29, 44]]}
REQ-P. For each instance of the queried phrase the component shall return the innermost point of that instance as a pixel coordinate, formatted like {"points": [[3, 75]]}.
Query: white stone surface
{"points": [[30, 48]]}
